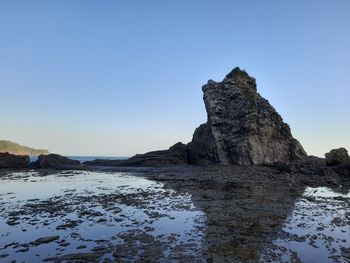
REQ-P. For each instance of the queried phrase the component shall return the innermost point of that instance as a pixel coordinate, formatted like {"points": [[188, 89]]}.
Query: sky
{"points": [[116, 78]]}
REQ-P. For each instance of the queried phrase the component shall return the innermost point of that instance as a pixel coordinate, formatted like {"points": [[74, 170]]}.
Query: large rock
{"points": [[55, 161], [8, 160], [242, 127], [337, 156]]}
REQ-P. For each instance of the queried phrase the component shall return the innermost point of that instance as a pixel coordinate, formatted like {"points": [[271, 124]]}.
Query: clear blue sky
{"points": [[116, 78]]}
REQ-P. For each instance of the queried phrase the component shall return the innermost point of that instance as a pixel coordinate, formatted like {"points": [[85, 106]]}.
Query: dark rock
{"points": [[8, 160], [242, 127], [283, 167], [202, 149], [81, 247], [44, 240], [343, 169], [103, 162], [311, 165], [77, 257], [337, 156], [345, 252], [176, 154], [54, 161]]}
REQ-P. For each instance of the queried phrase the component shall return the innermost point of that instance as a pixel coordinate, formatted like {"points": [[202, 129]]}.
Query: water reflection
{"points": [[95, 215], [318, 230], [214, 214], [260, 215]]}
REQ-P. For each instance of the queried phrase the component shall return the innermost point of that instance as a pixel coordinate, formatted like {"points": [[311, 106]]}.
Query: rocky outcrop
{"points": [[242, 127], [337, 156], [175, 155], [55, 161], [8, 160], [339, 161]]}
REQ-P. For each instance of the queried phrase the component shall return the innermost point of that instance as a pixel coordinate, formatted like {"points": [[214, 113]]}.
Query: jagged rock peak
{"points": [[242, 127], [240, 78]]}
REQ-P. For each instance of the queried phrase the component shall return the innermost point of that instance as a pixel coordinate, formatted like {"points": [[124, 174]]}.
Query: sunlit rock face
{"points": [[242, 127]]}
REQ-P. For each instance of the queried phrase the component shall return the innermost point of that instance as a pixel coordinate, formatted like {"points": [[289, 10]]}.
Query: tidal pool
{"points": [[318, 230], [75, 215]]}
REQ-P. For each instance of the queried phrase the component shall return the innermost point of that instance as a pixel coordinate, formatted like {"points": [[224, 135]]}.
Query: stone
{"points": [[337, 156], [242, 127], [8, 160], [54, 161], [176, 154], [44, 240]]}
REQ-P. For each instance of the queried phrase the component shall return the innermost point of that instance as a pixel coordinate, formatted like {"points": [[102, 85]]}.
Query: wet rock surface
{"points": [[8, 160], [55, 161]]}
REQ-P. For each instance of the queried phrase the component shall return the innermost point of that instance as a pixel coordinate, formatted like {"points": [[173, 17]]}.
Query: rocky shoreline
{"points": [[243, 169], [245, 207]]}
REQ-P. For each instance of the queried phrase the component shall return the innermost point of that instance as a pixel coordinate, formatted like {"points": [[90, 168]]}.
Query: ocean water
{"points": [[86, 158]]}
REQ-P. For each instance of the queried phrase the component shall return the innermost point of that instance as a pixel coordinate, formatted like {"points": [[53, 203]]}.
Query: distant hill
{"points": [[15, 148]]}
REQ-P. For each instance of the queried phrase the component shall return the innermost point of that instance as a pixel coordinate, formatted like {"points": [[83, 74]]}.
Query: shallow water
{"points": [[121, 216], [109, 215], [318, 230]]}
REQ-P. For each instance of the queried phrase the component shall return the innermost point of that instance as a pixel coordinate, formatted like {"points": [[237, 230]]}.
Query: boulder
{"points": [[8, 160], [55, 161], [242, 127], [337, 156]]}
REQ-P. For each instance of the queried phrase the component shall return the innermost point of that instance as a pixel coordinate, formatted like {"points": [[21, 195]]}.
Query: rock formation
{"points": [[339, 161], [176, 154], [55, 161], [8, 160], [242, 127], [337, 156]]}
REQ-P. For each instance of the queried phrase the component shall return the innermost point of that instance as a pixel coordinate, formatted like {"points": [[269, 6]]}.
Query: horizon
{"points": [[121, 78]]}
